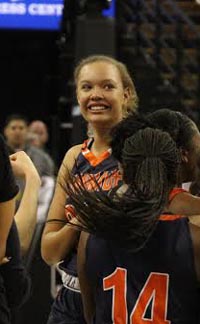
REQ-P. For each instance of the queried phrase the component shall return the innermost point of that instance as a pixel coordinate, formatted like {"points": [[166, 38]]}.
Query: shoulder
{"points": [[185, 204], [31, 150], [71, 155], [74, 150], [68, 162]]}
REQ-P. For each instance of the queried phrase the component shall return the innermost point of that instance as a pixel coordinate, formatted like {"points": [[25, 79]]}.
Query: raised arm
{"points": [[26, 214], [7, 210], [8, 191], [59, 238], [188, 205]]}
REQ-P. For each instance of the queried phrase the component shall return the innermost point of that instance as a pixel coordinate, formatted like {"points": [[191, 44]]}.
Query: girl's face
{"points": [[194, 157], [100, 94], [191, 158]]}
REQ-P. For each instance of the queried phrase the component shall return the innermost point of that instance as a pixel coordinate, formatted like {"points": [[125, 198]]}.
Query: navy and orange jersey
{"points": [[156, 285], [95, 172], [176, 191]]}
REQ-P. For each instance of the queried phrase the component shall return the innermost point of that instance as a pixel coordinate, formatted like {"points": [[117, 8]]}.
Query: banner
{"points": [[38, 14]]}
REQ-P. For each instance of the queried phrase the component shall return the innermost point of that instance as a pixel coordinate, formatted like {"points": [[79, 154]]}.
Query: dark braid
{"points": [[180, 127], [150, 160], [126, 128], [143, 149]]}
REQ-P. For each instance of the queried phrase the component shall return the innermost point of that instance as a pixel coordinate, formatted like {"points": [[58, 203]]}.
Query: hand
{"points": [[75, 221], [4, 260], [23, 166]]}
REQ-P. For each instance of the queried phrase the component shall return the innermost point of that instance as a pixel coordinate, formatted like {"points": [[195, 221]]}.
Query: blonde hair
{"points": [[124, 74]]}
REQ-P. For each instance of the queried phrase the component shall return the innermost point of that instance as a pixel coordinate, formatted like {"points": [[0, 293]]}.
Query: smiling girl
{"points": [[105, 94]]}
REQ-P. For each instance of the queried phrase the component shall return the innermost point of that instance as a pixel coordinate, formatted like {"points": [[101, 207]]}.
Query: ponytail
{"points": [[150, 160]]}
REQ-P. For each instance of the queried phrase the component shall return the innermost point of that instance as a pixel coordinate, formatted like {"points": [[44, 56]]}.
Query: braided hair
{"points": [[180, 127], [150, 160]]}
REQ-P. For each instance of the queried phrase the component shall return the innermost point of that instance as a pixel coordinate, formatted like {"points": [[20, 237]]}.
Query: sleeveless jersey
{"points": [[157, 285], [174, 192], [103, 172]]}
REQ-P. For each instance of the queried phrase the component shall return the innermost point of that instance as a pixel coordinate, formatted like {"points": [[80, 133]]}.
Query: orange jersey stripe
{"points": [[174, 192], [170, 217], [92, 159]]}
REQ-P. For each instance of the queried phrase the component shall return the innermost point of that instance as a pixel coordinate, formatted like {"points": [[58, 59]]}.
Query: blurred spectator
{"points": [[38, 134], [16, 134]]}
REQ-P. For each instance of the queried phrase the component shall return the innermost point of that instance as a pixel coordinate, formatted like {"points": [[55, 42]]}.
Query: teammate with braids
{"points": [[139, 263], [187, 137], [105, 93]]}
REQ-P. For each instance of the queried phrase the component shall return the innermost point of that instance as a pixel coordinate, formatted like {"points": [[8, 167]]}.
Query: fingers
{"points": [[13, 157], [20, 154], [5, 260]]}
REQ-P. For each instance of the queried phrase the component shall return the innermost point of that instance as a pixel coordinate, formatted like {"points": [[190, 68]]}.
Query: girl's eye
{"points": [[85, 87], [108, 86]]}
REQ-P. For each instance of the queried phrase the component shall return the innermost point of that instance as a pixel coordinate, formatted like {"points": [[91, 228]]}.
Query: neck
{"points": [[15, 147], [186, 175], [101, 139]]}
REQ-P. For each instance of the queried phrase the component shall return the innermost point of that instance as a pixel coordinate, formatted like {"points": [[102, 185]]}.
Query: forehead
{"points": [[99, 71], [17, 123], [37, 127]]}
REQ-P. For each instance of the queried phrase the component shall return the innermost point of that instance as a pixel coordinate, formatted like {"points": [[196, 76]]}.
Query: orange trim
{"points": [[86, 143], [92, 159], [174, 192], [170, 217]]}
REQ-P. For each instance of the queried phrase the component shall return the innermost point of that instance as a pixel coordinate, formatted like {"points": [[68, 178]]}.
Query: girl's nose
{"points": [[96, 94]]}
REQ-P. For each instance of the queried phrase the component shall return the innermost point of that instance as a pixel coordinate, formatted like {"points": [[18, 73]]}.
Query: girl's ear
{"points": [[127, 93]]}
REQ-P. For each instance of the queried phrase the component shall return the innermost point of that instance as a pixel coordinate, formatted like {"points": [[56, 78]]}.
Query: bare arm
{"points": [[26, 214], [87, 289], [7, 210], [186, 204], [59, 238], [8, 190]]}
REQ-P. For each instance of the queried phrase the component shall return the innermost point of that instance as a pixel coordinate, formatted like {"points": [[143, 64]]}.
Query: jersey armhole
{"points": [[174, 192]]}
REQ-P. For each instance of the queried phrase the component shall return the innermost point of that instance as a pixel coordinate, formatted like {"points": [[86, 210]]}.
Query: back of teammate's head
{"points": [[187, 137], [124, 129], [179, 126], [150, 161]]}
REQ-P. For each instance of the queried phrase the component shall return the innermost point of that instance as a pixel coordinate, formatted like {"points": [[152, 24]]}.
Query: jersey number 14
{"points": [[155, 290]]}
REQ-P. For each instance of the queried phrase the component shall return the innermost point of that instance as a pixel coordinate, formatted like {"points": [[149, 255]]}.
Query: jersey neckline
{"points": [[88, 155]]}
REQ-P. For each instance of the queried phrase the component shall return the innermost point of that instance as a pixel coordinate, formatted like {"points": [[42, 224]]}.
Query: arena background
{"points": [[40, 45]]}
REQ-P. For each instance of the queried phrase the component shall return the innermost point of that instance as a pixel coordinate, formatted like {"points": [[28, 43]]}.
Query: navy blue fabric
{"points": [[70, 311], [108, 166], [16, 279], [67, 308], [169, 251]]}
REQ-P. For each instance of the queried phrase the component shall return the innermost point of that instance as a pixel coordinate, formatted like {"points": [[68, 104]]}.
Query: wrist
{"points": [[33, 178]]}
